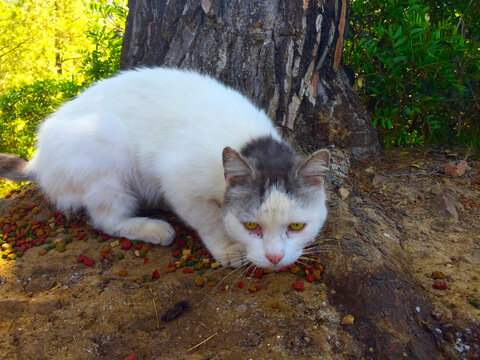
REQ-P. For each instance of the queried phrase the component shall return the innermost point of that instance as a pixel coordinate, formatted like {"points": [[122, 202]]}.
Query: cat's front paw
{"points": [[233, 255]]}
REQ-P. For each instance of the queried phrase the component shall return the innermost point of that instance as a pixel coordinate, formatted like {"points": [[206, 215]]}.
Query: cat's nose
{"points": [[275, 258]]}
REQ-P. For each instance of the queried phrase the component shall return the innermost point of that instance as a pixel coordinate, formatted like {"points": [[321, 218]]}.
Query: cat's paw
{"points": [[149, 230], [233, 255]]}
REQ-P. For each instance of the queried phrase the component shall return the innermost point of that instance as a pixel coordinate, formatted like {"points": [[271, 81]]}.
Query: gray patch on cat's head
{"points": [[265, 163]]}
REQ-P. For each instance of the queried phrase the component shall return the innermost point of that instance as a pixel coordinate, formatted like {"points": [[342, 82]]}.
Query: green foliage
{"points": [[417, 69], [39, 72], [23, 107]]}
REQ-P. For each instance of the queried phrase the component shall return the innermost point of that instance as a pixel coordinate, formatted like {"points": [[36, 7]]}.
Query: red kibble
{"points": [[89, 262], [176, 253], [224, 288], [20, 243], [81, 236], [131, 357], [299, 285], [310, 278], [259, 273], [8, 195], [105, 237], [258, 287], [126, 245], [93, 232], [284, 269], [440, 285], [81, 259], [145, 260], [240, 284], [105, 255], [155, 274], [187, 270], [171, 265], [137, 247]]}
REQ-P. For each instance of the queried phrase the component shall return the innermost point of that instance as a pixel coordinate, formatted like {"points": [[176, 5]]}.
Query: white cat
{"points": [[157, 135]]}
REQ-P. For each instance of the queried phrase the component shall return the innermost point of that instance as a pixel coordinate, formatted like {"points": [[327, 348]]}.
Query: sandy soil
{"points": [[52, 307]]}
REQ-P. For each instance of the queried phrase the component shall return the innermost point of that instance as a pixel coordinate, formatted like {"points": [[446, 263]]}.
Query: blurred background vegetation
{"points": [[416, 65]]}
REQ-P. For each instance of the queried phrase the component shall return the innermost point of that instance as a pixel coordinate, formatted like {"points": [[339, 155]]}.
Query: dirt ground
{"points": [[54, 307]]}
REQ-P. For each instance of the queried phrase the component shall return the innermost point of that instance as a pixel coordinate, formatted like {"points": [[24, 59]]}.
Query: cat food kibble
{"points": [[299, 285]]}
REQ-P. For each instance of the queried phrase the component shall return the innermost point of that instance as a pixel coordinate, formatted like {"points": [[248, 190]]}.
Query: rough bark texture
{"points": [[285, 56], [280, 54]]}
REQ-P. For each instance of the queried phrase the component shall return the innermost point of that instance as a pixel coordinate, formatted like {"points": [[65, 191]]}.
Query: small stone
{"points": [[348, 320], [378, 180], [343, 193], [455, 169], [122, 273]]}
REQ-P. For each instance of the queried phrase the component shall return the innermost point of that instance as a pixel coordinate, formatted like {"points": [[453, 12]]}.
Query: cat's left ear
{"points": [[314, 168], [237, 171]]}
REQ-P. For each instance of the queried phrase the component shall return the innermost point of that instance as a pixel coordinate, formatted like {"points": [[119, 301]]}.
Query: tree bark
{"points": [[283, 55], [286, 57]]}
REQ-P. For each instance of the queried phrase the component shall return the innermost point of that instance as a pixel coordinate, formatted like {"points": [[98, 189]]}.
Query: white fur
{"points": [[151, 134]]}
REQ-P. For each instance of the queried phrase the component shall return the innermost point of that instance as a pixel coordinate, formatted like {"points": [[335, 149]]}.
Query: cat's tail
{"points": [[14, 168]]}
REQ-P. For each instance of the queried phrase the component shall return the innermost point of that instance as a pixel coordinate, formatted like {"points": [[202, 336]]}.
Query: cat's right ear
{"points": [[237, 171]]}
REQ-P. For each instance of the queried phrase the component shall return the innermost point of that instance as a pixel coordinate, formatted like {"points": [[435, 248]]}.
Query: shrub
{"points": [[417, 71]]}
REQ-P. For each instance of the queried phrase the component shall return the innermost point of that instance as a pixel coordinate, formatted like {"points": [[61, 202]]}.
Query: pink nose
{"points": [[274, 258]]}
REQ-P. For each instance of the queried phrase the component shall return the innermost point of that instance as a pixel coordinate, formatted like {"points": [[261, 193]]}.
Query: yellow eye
{"points": [[296, 226], [250, 225]]}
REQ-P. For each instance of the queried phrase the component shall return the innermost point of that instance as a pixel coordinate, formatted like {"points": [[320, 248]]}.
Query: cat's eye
{"points": [[296, 226], [251, 225]]}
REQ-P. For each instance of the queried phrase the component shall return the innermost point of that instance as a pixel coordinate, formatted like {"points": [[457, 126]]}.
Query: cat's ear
{"points": [[314, 168], [237, 171]]}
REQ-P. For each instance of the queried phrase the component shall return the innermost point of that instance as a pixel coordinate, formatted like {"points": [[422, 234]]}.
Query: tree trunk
{"points": [[286, 57], [283, 55]]}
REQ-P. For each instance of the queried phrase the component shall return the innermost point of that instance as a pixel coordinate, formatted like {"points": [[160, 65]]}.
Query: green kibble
{"points": [[174, 247], [184, 265], [301, 273], [201, 272], [12, 234], [142, 254], [195, 267], [14, 257], [48, 241], [38, 244], [100, 240], [120, 256], [148, 279], [19, 254], [68, 240], [4, 256], [190, 263], [474, 302], [62, 249], [134, 242], [207, 265], [51, 246], [2, 242], [209, 278]]}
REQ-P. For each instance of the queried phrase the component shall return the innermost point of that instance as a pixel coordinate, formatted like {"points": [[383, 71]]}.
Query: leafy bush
{"points": [[23, 107], [417, 70]]}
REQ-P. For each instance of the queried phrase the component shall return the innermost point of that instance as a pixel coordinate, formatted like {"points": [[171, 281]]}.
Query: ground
{"points": [[54, 307]]}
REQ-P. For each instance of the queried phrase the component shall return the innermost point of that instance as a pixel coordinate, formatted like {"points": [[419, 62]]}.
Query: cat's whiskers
{"points": [[239, 276], [230, 273], [309, 259]]}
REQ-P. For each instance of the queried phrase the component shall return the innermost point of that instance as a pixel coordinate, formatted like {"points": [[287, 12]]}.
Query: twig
{"points": [[414, 174], [202, 342], [155, 308]]}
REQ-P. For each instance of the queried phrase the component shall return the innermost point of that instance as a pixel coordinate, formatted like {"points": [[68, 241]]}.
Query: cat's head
{"points": [[275, 201]]}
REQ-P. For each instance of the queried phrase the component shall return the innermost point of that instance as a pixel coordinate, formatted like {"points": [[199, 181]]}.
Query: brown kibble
{"points": [[123, 273], [267, 271], [295, 269], [200, 265], [199, 281], [170, 269], [318, 267], [40, 232], [275, 305], [252, 288], [139, 281], [42, 252], [348, 320], [105, 250], [59, 246], [144, 248], [317, 275], [35, 210], [437, 275], [211, 283]]}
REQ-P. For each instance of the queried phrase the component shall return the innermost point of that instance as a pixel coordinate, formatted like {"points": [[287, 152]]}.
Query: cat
{"points": [[168, 135]]}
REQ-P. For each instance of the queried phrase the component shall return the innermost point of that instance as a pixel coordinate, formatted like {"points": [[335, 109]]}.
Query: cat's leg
{"points": [[111, 205]]}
